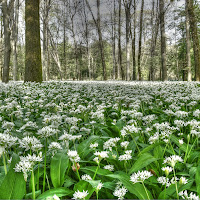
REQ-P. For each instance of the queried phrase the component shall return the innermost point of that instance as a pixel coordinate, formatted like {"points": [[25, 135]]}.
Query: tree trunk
{"points": [[33, 65], [188, 44], [133, 42], [120, 67], [140, 41], [6, 9], [163, 41], [194, 32]]}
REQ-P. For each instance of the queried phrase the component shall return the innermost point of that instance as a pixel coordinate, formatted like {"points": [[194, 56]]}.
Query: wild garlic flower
{"points": [[73, 156], [109, 167], [86, 177], [101, 154], [191, 196], [26, 164], [94, 145], [80, 195], [167, 170], [99, 186], [55, 146], [96, 159], [140, 176], [180, 141], [30, 143], [124, 144], [172, 160], [112, 142], [174, 180], [46, 131], [183, 181], [69, 137], [126, 156], [120, 192], [7, 140], [55, 197], [164, 181]]}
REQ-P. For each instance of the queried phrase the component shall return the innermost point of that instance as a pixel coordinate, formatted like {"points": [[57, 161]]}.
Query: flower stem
{"points": [[96, 172], [4, 163], [33, 184], [187, 150], [176, 184], [45, 163], [190, 151], [145, 190]]}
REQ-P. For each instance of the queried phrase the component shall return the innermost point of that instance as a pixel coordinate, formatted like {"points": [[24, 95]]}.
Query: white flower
{"points": [[183, 181], [80, 195], [93, 146], [109, 167], [126, 156], [164, 181], [167, 170], [112, 142], [102, 154], [184, 195], [174, 180], [124, 144], [55, 197], [99, 186], [172, 160], [55, 146], [73, 156], [46, 131], [2, 150], [140, 176], [120, 192], [181, 141], [96, 159], [86, 177]]}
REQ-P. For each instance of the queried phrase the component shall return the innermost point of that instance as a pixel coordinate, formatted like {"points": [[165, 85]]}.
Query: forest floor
{"points": [[100, 140]]}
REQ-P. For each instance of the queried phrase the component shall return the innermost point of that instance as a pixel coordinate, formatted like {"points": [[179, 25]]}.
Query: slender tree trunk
{"points": [[120, 67], [140, 41], [6, 9], [133, 42], [15, 41], [33, 64], [188, 44], [194, 34], [163, 41], [101, 41]]}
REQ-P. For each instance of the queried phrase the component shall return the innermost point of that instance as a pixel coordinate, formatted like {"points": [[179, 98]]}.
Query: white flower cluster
{"points": [[109, 167], [46, 131], [126, 156], [191, 196], [112, 142], [140, 176], [73, 156], [69, 137], [120, 192], [26, 164], [172, 160], [124, 144], [86, 177], [7, 141], [30, 143], [94, 145], [80, 195]]}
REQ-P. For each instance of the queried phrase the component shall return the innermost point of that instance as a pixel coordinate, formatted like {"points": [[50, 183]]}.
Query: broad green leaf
{"points": [[149, 148], [13, 185], [59, 164], [109, 185], [84, 147], [60, 192], [143, 161], [30, 195], [68, 181], [100, 171], [136, 189], [197, 178], [174, 139]]}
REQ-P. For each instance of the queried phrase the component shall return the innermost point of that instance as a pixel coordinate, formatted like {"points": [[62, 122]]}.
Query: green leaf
{"points": [[197, 179], [84, 147], [100, 171], [143, 161], [13, 185], [136, 189], [183, 146], [60, 192], [59, 164]]}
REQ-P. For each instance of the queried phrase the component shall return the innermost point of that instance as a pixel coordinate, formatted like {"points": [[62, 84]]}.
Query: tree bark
{"points": [[188, 44], [6, 9], [140, 41], [163, 40], [33, 65], [194, 33]]}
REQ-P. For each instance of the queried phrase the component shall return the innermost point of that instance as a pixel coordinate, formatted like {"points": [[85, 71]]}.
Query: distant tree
{"points": [[7, 9], [33, 64], [194, 33]]}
